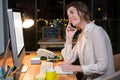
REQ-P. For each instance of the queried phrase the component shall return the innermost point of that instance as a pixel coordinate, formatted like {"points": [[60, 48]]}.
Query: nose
{"points": [[70, 18]]}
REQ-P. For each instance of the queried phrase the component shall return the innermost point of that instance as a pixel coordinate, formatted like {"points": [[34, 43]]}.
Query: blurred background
{"points": [[52, 13]]}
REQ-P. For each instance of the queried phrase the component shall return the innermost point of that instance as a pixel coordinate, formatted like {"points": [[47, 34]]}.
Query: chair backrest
{"points": [[115, 76], [117, 62]]}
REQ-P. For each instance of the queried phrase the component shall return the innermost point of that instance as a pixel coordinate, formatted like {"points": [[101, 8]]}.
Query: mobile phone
{"points": [[73, 27]]}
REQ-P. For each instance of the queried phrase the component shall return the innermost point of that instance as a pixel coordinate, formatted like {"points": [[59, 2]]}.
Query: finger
{"points": [[70, 22], [61, 64]]}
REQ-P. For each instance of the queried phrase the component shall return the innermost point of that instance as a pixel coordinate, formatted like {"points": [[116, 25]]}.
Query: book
{"points": [[35, 59]]}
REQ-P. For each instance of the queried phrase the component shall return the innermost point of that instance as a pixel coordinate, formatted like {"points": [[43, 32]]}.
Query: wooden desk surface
{"points": [[34, 70]]}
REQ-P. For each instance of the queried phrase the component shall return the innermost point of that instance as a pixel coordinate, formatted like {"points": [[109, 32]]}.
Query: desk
{"points": [[52, 43], [34, 70]]}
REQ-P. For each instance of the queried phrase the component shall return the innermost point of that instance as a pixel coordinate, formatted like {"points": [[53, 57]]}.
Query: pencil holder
{"points": [[2, 77]]}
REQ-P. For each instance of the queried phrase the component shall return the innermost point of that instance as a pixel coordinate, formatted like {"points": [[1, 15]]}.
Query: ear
{"points": [[81, 15]]}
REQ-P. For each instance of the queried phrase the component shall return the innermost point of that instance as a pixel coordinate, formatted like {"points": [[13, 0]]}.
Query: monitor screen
{"points": [[18, 31]]}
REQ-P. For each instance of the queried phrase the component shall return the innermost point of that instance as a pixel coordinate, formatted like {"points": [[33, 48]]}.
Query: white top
{"points": [[94, 51]]}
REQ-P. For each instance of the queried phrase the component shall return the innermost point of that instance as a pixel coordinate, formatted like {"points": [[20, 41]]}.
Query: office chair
{"points": [[116, 75]]}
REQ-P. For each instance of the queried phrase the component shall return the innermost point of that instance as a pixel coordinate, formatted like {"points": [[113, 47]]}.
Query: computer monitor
{"points": [[16, 37]]}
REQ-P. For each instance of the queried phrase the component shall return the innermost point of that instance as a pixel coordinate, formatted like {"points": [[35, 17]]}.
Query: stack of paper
{"points": [[35, 59]]}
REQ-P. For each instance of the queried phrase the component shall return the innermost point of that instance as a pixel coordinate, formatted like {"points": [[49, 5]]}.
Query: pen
{"points": [[8, 68], [11, 74]]}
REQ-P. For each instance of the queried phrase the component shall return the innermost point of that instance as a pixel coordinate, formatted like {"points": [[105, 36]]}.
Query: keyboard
{"points": [[46, 66]]}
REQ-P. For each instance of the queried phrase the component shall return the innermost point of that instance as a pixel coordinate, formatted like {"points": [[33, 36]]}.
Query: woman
{"points": [[93, 47]]}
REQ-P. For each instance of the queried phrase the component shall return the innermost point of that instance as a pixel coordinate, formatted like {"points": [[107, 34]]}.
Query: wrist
{"points": [[69, 41], [78, 69]]}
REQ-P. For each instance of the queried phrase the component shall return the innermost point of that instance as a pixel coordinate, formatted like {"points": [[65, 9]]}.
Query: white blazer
{"points": [[93, 48]]}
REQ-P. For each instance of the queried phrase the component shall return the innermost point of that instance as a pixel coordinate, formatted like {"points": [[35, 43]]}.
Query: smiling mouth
{"points": [[72, 20]]}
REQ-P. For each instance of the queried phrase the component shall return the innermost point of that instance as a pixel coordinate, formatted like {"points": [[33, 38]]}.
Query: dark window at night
{"points": [[52, 13]]}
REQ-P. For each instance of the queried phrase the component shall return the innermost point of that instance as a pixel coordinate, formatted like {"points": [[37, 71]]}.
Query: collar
{"points": [[89, 27]]}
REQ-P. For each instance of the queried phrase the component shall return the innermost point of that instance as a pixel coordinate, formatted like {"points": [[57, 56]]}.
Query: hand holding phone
{"points": [[72, 27]]}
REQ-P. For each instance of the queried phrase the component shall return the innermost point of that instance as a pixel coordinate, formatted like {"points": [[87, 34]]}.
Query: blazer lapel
{"points": [[82, 48]]}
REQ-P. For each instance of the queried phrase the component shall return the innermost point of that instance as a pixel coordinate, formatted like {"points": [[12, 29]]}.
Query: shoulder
{"points": [[93, 28], [96, 29], [98, 33]]}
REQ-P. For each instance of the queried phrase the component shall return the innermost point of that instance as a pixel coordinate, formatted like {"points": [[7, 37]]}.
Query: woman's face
{"points": [[73, 16]]}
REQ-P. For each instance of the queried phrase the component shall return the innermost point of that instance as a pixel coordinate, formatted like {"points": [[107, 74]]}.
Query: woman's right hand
{"points": [[70, 33]]}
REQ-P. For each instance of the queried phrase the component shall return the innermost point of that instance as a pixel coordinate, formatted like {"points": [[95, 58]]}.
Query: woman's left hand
{"points": [[70, 67]]}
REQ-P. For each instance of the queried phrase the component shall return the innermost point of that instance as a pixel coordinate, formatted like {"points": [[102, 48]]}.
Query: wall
{"points": [[4, 30], [1, 28]]}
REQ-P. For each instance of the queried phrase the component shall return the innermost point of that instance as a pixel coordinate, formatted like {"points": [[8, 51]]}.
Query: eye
{"points": [[71, 12]]}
